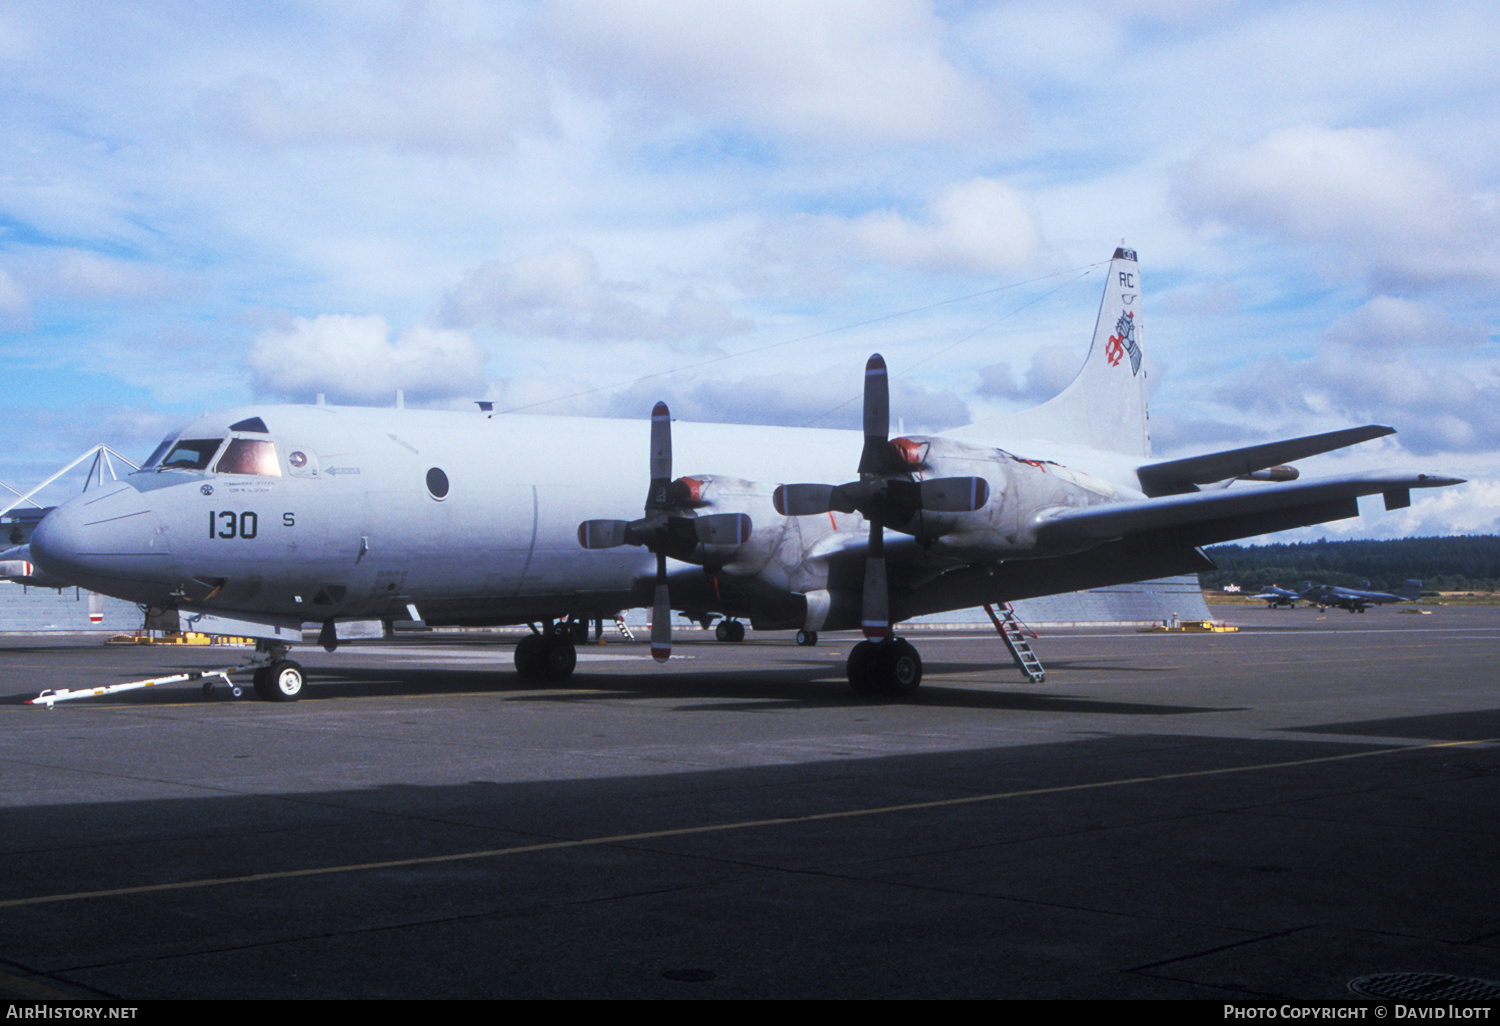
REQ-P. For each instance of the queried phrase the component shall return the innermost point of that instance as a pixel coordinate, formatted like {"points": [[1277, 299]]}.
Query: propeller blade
{"points": [[723, 529], [954, 494], [661, 458], [661, 615], [800, 500], [875, 616], [876, 455], [602, 534], [877, 399]]}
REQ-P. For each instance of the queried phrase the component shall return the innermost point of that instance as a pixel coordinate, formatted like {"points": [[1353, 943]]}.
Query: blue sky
{"points": [[206, 204]]}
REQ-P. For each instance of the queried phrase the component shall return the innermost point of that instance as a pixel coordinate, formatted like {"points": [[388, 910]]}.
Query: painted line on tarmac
{"points": [[652, 835]]}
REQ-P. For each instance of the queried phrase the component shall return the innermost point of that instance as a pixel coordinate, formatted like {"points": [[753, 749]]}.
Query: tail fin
{"points": [[1104, 407], [1410, 591]]}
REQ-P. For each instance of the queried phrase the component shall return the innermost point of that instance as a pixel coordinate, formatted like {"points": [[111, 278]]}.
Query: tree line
{"points": [[1465, 563]]}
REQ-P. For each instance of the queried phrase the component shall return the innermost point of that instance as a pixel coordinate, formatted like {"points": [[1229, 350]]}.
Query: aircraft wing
{"points": [[1172, 477], [1206, 518]]}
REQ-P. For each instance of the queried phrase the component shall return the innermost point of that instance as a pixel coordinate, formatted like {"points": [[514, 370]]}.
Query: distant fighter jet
{"points": [[1357, 600], [1276, 597]]}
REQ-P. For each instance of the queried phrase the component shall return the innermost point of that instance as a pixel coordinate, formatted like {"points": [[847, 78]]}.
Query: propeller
{"points": [[885, 494], [671, 527]]}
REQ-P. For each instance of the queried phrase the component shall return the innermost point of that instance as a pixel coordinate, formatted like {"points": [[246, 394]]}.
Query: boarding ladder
{"points": [[1013, 632]]}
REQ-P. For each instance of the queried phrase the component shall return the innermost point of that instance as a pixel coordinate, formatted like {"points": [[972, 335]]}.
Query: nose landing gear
{"points": [[548, 656]]}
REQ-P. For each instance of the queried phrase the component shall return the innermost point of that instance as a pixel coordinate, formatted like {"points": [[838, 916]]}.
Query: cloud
{"points": [[1359, 193], [82, 275], [1392, 323], [15, 307], [824, 70], [442, 96], [812, 400], [1472, 508], [980, 225], [352, 359], [1450, 407], [1053, 368], [560, 293]]}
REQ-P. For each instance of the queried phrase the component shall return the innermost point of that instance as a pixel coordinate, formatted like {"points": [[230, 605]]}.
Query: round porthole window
{"points": [[297, 459], [437, 483]]}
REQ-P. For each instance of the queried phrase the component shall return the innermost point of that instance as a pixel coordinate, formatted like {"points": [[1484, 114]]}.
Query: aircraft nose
{"points": [[108, 541]]}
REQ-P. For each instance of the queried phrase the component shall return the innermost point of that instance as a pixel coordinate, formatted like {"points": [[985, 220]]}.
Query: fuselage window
{"points": [[249, 456], [437, 483], [191, 454]]}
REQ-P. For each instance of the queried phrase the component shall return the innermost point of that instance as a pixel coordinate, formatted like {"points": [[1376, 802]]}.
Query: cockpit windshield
{"points": [[249, 456], [190, 454], [161, 450]]}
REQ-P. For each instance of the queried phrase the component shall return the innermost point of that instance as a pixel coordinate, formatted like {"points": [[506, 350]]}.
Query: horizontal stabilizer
{"points": [[1205, 518], [1174, 477]]}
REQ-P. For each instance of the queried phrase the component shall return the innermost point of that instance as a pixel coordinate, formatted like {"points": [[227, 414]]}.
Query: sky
{"points": [[583, 206]]}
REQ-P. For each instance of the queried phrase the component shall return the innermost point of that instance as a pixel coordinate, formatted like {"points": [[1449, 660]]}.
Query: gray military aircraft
{"points": [[256, 520], [1275, 597], [1357, 600]]}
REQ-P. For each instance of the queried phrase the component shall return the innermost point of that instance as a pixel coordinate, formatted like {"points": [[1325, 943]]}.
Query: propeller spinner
{"points": [[671, 527]]}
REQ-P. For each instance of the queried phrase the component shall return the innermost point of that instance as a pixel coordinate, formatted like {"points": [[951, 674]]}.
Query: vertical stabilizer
{"points": [[1104, 407]]}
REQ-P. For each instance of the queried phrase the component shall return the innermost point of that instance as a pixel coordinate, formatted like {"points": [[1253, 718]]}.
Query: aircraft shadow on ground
{"points": [[790, 678]]}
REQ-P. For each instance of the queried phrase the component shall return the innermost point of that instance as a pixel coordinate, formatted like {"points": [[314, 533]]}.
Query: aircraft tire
{"points": [[860, 667], [889, 669], [899, 667], [578, 632], [285, 681], [541, 657], [558, 660], [736, 631], [807, 638], [262, 684], [528, 657]]}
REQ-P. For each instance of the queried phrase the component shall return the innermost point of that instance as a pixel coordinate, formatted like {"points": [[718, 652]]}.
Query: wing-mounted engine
{"points": [[671, 527], [887, 494], [1020, 492]]}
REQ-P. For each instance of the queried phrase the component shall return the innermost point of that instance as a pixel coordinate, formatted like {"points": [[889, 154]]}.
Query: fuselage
{"points": [[324, 512]]}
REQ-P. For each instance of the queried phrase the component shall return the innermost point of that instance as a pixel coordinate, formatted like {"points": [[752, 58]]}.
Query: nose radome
{"points": [[105, 541]]}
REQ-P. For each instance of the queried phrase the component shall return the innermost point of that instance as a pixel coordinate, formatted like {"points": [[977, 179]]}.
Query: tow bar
{"points": [[48, 698]]}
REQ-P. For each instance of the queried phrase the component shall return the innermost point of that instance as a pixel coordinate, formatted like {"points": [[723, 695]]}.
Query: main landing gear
{"points": [[279, 679], [548, 656], [889, 668]]}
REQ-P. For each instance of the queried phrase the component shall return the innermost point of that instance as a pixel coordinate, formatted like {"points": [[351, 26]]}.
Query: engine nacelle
{"points": [[1019, 490]]}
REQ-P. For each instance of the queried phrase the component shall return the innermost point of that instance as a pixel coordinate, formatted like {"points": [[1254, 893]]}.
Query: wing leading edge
{"points": [[1206, 518], [1172, 477]]}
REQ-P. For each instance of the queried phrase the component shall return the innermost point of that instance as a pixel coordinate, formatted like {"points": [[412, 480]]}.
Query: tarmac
{"points": [[1262, 816]]}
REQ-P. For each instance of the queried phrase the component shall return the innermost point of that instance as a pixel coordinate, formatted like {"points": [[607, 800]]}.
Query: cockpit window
{"points": [[161, 450], [191, 454], [249, 456]]}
